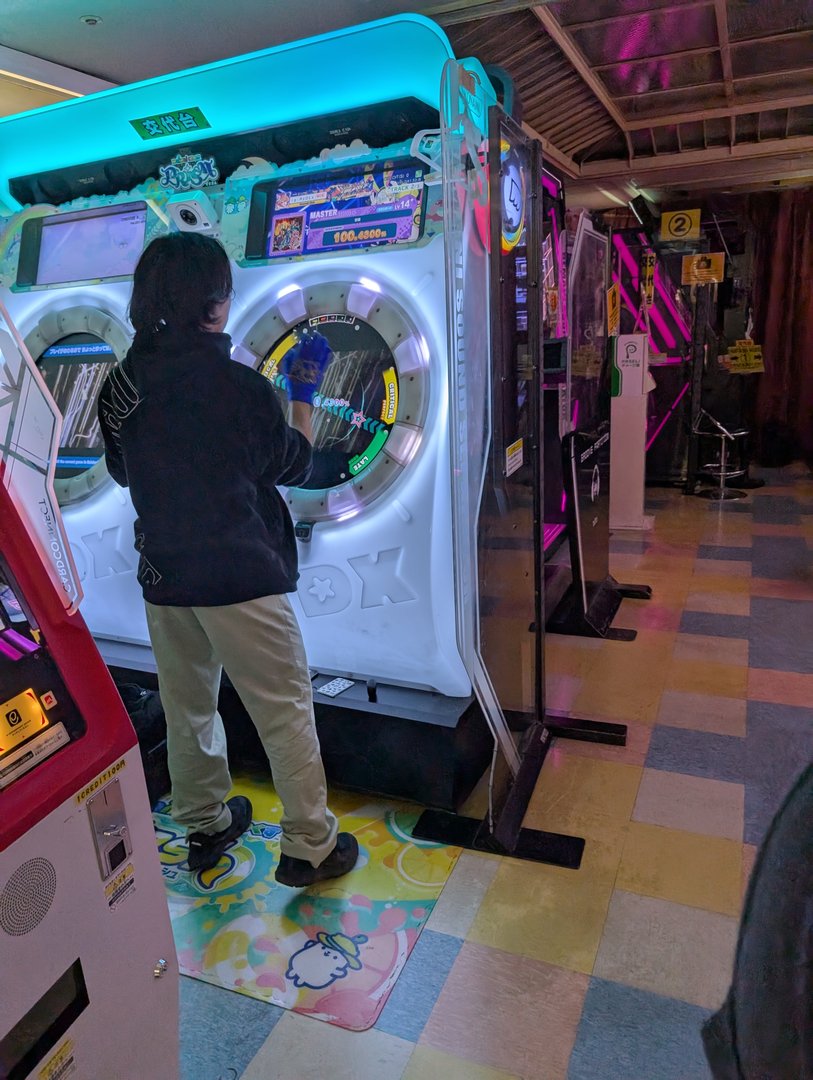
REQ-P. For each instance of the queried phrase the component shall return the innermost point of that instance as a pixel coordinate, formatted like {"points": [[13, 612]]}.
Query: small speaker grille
{"points": [[27, 897]]}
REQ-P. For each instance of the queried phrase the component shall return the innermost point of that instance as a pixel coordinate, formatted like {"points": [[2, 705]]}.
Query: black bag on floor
{"points": [[147, 714]]}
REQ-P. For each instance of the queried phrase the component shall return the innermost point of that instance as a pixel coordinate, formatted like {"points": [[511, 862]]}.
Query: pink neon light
{"points": [[672, 307], [667, 299], [7, 650], [661, 424], [564, 501], [21, 642], [655, 315], [667, 360], [625, 296], [550, 185], [575, 418], [561, 319], [629, 262], [549, 534], [660, 322]]}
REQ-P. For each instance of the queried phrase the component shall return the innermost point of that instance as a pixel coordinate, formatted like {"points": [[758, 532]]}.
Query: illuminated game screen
{"points": [[82, 246], [37, 716], [380, 206], [358, 403], [74, 370]]}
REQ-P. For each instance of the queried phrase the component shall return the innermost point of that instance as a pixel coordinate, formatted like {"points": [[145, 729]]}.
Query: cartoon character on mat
{"points": [[324, 959]]}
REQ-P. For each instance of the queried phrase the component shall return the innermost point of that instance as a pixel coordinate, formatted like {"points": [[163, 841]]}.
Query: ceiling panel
{"points": [[755, 18], [574, 12], [669, 102], [19, 96], [768, 57], [665, 73], [647, 33]]}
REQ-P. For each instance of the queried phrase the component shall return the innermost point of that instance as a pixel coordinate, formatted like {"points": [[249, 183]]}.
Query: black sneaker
{"points": [[205, 849], [298, 872]]}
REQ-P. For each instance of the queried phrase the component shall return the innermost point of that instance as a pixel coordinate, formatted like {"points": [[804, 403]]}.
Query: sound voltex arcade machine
{"points": [[330, 203], [88, 975], [372, 205]]}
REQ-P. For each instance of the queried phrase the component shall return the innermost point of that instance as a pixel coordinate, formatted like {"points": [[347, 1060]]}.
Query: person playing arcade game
{"points": [[202, 443]]}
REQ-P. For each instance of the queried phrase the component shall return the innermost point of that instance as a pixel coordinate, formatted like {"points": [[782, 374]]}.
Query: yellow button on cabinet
{"points": [[20, 718]]}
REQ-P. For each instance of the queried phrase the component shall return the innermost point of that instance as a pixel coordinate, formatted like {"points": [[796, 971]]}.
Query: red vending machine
{"points": [[88, 974]]}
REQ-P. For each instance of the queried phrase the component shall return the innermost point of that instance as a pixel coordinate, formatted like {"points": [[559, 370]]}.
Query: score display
{"points": [[370, 206]]}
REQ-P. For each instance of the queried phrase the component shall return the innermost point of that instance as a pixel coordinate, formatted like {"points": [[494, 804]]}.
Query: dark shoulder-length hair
{"points": [[178, 283]]}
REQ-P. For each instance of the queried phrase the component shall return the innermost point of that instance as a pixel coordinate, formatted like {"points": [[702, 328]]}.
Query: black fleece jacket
{"points": [[202, 443]]}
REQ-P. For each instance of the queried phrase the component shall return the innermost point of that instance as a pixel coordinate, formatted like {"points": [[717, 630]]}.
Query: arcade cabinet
{"points": [[330, 203], [88, 974], [590, 603], [556, 389]]}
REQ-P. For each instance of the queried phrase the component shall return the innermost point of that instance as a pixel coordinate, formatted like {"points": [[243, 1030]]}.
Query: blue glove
{"points": [[304, 367]]}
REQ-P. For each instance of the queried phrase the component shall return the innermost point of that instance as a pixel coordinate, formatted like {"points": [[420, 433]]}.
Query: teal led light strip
{"points": [[381, 61]]}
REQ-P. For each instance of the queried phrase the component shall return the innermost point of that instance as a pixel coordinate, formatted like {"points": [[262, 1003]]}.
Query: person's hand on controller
{"points": [[304, 367]]}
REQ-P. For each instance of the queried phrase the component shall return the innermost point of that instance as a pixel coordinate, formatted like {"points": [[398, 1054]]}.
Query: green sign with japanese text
{"points": [[170, 123]]}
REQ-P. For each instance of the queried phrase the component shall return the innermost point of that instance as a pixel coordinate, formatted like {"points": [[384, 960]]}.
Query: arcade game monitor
{"points": [[358, 402]]}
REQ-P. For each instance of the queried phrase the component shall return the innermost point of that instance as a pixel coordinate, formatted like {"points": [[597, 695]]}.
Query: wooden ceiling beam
{"points": [[770, 155], [740, 108], [561, 38], [721, 18]]}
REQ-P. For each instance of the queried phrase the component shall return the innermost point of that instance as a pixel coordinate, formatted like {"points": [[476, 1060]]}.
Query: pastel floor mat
{"points": [[333, 951]]}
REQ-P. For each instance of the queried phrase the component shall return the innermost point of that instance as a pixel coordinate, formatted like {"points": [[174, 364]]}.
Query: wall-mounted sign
{"points": [[648, 276], [703, 269], [744, 358], [613, 310], [680, 225], [170, 123]]}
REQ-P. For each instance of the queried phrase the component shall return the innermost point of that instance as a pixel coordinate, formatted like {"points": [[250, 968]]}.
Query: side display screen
{"points": [[358, 404], [376, 206], [37, 716], [74, 370], [84, 246]]}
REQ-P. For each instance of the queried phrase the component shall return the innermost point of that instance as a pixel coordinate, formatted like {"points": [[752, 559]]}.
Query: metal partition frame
{"points": [[465, 102]]}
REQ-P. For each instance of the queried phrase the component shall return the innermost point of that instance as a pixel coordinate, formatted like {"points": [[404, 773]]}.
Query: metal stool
{"points": [[720, 469]]}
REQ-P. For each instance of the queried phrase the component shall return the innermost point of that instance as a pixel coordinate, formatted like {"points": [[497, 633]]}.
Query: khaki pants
{"points": [[260, 646]]}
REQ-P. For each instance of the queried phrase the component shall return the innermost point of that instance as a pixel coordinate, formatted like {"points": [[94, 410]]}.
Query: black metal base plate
{"points": [[533, 845], [565, 726], [635, 592], [726, 495]]}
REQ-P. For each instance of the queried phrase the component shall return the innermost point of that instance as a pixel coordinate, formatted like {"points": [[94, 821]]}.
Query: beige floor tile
{"points": [[727, 567], [707, 581], [719, 603], [722, 650], [685, 868], [581, 796], [303, 1048], [508, 1012], [462, 895], [696, 676], [703, 712], [428, 1064], [549, 913], [679, 952], [691, 804]]}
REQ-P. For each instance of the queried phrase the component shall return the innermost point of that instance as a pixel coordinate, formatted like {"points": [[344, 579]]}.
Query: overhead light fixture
{"points": [[90, 20]]}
